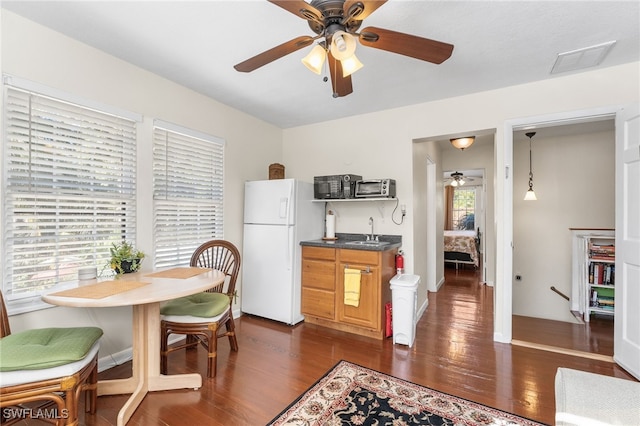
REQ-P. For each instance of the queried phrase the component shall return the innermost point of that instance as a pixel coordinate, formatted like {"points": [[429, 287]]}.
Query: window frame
{"points": [[456, 211], [72, 190]]}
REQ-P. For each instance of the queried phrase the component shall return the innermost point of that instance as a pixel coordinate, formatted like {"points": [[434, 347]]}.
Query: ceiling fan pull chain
{"points": [[325, 69], [334, 84]]}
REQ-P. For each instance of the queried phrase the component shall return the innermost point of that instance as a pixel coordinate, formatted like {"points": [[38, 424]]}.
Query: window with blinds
{"points": [[69, 190], [187, 192]]}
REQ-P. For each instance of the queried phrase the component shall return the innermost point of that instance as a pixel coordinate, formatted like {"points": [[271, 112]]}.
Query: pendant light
{"points": [[530, 194]]}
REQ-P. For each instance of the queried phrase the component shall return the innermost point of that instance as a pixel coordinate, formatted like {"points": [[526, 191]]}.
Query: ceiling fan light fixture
{"points": [[462, 143], [350, 65], [343, 45], [315, 59], [457, 179]]}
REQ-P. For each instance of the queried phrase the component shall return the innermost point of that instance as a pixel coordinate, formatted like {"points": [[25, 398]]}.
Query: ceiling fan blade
{"points": [[405, 44], [274, 53], [340, 85], [300, 8], [364, 8]]}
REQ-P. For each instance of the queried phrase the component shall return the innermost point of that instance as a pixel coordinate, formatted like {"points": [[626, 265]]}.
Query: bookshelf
{"points": [[594, 271]]}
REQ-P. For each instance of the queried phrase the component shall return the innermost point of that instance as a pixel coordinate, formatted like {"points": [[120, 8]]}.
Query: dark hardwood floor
{"points": [[454, 352], [595, 337]]}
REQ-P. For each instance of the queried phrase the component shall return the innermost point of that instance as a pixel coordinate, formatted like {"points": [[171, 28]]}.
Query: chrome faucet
{"points": [[370, 223]]}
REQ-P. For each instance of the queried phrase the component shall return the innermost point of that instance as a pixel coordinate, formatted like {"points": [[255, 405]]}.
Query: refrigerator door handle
{"points": [[284, 207], [290, 248]]}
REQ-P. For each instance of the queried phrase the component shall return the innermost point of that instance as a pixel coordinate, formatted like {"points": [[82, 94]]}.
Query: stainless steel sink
{"points": [[367, 243]]}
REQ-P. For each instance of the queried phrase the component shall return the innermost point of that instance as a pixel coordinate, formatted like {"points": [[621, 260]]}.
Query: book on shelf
{"points": [[598, 273], [603, 247], [601, 297], [602, 252], [609, 275], [601, 273], [605, 302], [603, 258]]}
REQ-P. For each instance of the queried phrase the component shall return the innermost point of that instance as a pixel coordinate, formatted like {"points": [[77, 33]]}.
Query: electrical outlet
{"points": [[518, 277]]}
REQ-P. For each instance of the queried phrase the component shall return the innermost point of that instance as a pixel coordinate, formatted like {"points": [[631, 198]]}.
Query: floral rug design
{"points": [[350, 394]]}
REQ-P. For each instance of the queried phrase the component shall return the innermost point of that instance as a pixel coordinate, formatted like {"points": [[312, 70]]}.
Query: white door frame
{"points": [[504, 206], [432, 246]]}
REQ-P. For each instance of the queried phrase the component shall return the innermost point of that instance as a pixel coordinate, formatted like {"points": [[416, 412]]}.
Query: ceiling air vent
{"points": [[581, 58]]}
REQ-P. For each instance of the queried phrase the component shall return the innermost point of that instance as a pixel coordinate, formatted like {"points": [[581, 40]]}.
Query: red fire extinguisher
{"points": [[388, 324], [400, 262]]}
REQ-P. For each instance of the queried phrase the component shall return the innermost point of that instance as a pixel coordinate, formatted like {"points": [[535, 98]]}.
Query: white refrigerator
{"points": [[278, 214]]}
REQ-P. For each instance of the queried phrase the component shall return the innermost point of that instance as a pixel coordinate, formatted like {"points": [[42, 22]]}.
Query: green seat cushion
{"points": [[205, 305], [46, 347]]}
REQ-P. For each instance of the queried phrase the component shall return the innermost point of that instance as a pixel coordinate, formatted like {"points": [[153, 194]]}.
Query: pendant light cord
{"points": [[530, 170]]}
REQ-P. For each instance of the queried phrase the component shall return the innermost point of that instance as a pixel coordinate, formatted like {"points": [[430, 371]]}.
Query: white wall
{"points": [[381, 144], [358, 147], [574, 183], [35, 53], [427, 206]]}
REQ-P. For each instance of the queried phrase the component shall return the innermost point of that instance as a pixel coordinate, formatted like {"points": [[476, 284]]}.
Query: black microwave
{"points": [[371, 188], [334, 186]]}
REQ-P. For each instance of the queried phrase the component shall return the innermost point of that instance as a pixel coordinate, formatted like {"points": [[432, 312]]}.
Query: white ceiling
{"points": [[196, 44]]}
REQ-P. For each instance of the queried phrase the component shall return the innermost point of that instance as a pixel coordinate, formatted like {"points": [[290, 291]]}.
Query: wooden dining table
{"points": [[144, 291]]}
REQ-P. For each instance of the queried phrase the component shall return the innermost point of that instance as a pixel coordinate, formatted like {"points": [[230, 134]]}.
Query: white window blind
{"points": [[187, 192], [69, 185]]}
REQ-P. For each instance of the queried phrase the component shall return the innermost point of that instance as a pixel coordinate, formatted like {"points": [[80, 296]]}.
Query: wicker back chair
{"points": [[213, 307], [58, 383]]}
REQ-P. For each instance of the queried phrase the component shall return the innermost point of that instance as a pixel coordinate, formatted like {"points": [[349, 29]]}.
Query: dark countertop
{"points": [[395, 241]]}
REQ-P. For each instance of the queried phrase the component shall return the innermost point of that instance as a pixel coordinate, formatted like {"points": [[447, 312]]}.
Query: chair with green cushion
{"points": [[52, 366], [201, 316]]}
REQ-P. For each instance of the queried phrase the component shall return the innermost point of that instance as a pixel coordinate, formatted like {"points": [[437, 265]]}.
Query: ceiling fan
{"points": [[336, 24], [458, 179]]}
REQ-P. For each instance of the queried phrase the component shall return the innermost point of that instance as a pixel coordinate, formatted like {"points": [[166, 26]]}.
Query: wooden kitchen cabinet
{"points": [[323, 288], [318, 282], [366, 314]]}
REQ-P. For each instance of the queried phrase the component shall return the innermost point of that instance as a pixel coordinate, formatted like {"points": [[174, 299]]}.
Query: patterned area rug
{"points": [[353, 395]]}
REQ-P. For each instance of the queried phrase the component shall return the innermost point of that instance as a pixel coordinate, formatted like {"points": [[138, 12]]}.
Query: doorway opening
{"points": [[571, 163], [505, 205], [464, 219]]}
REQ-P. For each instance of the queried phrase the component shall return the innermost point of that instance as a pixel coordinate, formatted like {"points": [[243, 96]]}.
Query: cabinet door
{"points": [[367, 313], [318, 282]]}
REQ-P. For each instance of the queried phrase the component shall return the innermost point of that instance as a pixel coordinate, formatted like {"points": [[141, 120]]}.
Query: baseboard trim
{"points": [[572, 352], [113, 360]]}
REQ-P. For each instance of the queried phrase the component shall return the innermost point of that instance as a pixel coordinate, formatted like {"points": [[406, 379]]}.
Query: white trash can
{"points": [[404, 301]]}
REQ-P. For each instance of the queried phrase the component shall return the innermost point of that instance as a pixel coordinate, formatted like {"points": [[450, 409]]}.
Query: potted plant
{"points": [[125, 257]]}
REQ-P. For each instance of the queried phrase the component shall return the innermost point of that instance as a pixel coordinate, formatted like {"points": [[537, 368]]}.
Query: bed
{"points": [[461, 247]]}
